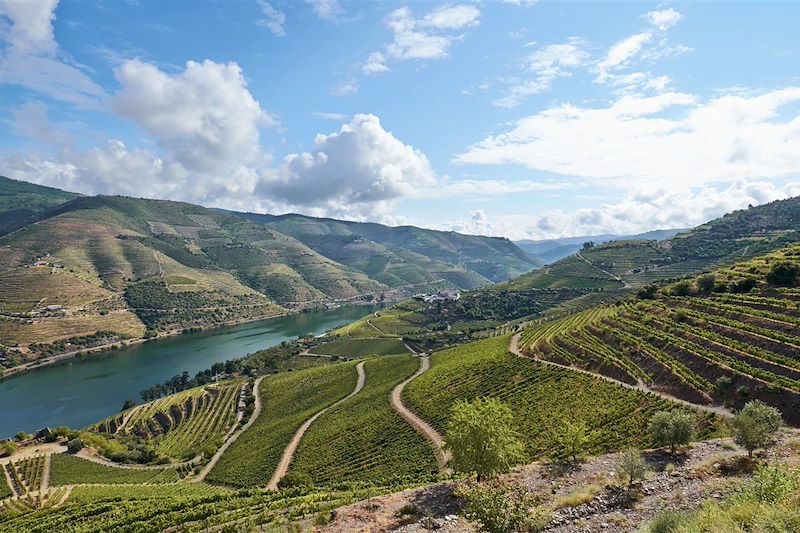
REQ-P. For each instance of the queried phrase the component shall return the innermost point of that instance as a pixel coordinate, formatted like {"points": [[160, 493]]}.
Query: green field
{"points": [[542, 397], [89, 494], [364, 439], [70, 470], [288, 399], [357, 348]]}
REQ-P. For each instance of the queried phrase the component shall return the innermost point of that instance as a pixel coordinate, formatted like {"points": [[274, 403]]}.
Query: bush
{"points": [[783, 273], [668, 521], [501, 509], [682, 288], [706, 283], [647, 293], [671, 428], [631, 467], [74, 446], [295, 479], [572, 440], [8, 447], [755, 425], [482, 438]]}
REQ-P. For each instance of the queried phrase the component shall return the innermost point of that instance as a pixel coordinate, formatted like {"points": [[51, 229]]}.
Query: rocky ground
{"points": [[585, 498]]}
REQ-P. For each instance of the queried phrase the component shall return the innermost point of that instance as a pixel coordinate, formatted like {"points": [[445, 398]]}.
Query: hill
{"points": [[406, 256], [21, 202], [550, 250]]}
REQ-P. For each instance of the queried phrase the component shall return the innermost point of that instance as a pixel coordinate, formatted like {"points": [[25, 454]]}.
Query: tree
{"points": [[671, 428], [21, 436], [682, 288], [295, 479], [631, 466], [706, 283], [755, 425], [503, 509], [127, 405], [783, 273], [482, 438], [8, 447], [572, 439], [647, 293], [588, 244]]}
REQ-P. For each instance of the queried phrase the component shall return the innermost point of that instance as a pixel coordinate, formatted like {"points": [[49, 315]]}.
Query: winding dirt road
{"points": [[288, 453], [714, 409], [427, 431]]}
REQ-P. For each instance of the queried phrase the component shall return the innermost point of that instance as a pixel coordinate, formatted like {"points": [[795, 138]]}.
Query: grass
{"points": [[357, 348], [578, 496], [542, 397], [70, 470], [364, 439], [288, 399]]}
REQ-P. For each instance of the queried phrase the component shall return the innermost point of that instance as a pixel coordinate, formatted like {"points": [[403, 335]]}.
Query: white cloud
{"points": [[547, 64], [31, 57], [359, 170], [30, 120], [620, 54], [425, 38], [329, 10], [375, 64], [663, 18], [329, 116], [204, 117], [673, 137], [273, 20], [524, 3], [661, 207]]}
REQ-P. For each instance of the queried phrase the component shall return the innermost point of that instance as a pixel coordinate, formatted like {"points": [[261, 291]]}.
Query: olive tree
{"points": [[482, 438], [671, 428], [755, 425], [631, 467]]}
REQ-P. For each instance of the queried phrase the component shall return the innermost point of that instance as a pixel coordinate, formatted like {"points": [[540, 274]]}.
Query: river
{"points": [[81, 391]]}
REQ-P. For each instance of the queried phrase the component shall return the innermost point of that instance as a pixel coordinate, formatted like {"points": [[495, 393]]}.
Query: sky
{"points": [[515, 118]]}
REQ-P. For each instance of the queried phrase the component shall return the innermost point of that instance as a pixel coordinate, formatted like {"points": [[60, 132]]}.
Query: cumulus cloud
{"points": [[673, 137], [273, 19], [546, 64], [424, 38], [360, 169], [204, 116], [31, 57], [642, 210], [30, 120]]}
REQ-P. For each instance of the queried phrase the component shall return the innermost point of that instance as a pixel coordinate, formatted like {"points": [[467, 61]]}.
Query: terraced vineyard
{"points": [[356, 348], [717, 348], [241, 511], [288, 399], [90, 494], [28, 473], [364, 439], [70, 470], [543, 398], [5, 490], [181, 425]]}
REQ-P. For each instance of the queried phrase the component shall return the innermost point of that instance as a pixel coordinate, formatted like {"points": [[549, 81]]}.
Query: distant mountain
{"points": [[549, 250], [87, 271], [406, 256]]}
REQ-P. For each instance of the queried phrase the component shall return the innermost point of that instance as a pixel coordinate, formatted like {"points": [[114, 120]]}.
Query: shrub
{"points": [[482, 438], [501, 509], [668, 521], [647, 293], [706, 283], [295, 479], [572, 440], [755, 425], [408, 509], [74, 446], [631, 467], [671, 428], [682, 288], [783, 273], [8, 447]]}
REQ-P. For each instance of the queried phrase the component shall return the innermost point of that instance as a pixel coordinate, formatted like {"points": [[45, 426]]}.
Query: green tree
{"points": [[783, 273], [755, 425], [502, 509], [631, 467], [8, 447], [75, 445], [647, 293], [572, 440], [482, 438], [682, 288], [295, 479], [706, 283], [671, 428]]}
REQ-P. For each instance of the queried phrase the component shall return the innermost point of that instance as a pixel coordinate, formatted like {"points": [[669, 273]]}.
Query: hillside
{"points": [[550, 250], [724, 338], [406, 256], [21, 202]]}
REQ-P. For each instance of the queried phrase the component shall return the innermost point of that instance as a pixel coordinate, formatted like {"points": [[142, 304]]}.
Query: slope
{"points": [[21, 202]]}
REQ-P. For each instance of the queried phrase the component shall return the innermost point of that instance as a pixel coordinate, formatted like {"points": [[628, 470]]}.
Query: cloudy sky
{"points": [[519, 118]]}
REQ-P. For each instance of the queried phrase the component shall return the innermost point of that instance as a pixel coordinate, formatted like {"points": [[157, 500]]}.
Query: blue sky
{"points": [[522, 119]]}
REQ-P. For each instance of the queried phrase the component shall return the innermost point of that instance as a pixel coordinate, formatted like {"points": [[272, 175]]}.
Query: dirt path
{"points": [[625, 284], [33, 451], [232, 438], [45, 476], [442, 457], [288, 453], [714, 409]]}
